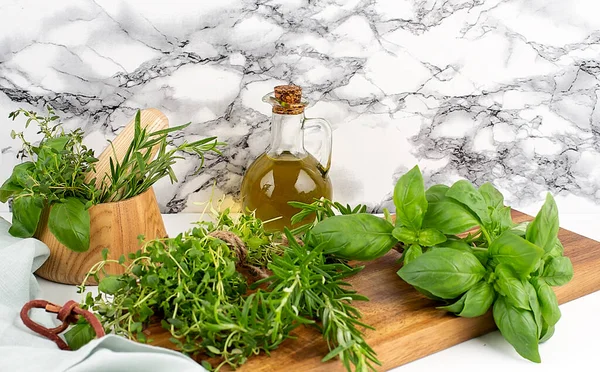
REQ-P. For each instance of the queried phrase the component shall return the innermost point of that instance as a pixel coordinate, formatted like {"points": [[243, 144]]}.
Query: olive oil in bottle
{"points": [[286, 171]]}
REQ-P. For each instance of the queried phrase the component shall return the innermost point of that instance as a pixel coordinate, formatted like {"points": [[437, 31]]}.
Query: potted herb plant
{"points": [[79, 204]]}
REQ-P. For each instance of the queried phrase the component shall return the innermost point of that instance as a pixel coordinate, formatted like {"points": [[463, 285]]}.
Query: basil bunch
{"points": [[462, 247]]}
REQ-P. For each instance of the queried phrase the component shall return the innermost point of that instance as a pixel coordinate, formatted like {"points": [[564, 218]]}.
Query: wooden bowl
{"points": [[115, 226]]}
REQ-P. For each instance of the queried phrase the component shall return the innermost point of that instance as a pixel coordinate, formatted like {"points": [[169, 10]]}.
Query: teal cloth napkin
{"points": [[23, 350]]}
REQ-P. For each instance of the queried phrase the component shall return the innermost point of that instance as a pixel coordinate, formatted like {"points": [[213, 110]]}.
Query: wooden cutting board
{"points": [[407, 325]]}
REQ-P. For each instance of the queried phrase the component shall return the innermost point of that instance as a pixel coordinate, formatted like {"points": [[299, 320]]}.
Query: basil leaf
{"points": [[502, 220], [429, 237], [478, 300], [510, 286], [436, 193], [547, 332], [516, 252], [57, 143], [449, 217], [79, 335], [444, 272], [518, 327], [26, 212], [405, 234], [69, 222], [412, 252], [110, 284], [359, 236], [520, 229], [548, 302], [543, 230], [409, 199], [464, 192], [8, 189], [535, 306], [21, 174], [456, 307], [558, 271], [557, 251], [456, 243], [493, 198]]}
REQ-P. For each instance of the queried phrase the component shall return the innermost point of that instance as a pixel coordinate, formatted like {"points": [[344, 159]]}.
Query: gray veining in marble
{"points": [[489, 90]]}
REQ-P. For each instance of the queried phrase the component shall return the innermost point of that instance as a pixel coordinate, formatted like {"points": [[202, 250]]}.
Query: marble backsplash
{"points": [[489, 90]]}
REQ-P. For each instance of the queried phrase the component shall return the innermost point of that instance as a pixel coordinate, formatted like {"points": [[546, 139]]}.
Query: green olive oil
{"points": [[271, 182]]}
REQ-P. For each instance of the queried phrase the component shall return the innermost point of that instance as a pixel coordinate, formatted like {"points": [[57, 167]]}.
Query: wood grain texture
{"points": [[408, 326], [151, 119], [115, 226]]}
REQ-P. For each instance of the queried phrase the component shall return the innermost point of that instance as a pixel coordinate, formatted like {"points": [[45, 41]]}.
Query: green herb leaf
{"points": [[409, 199], [26, 215], [8, 189], [558, 271], [429, 237], [515, 252], [110, 285], [455, 307], [445, 272], [464, 192], [449, 217], [69, 222], [79, 335], [358, 237], [478, 300], [543, 230], [512, 287], [412, 252], [518, 328], [406, 235], [493, 198], [548, 302], [436, 193]]}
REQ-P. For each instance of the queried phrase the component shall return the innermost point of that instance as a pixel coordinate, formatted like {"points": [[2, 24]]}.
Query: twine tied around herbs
{"points": [[241, 251]]}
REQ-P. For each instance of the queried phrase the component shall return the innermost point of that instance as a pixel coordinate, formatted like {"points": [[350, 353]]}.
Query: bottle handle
{"points": [[324, 156]]}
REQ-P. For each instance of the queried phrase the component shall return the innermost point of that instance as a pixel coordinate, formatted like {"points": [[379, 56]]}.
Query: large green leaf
{"points": [[359, 236], [409, 199], [558, 271], [26, 211], [79, 335], [518, 328], [69, 222], [548, 302], [512, 287], [516, 252], [436, 193], [8, 189], [444, 272], [543, 230], [493, 198], [22, 174], [464, 192], [478, 300], [449, 217]]}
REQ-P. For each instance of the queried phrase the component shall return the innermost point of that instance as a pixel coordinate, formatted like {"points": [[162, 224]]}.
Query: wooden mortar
{"points": [[115, 225]]}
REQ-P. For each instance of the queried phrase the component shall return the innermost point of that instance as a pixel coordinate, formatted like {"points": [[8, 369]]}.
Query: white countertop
{"points": [[574, 345]]}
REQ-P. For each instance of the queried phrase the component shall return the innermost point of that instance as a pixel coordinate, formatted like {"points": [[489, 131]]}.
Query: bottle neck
{"points": [[287, 135]]}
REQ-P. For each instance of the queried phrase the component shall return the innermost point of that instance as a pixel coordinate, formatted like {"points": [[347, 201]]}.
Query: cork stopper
{"points": [[289, 98]]}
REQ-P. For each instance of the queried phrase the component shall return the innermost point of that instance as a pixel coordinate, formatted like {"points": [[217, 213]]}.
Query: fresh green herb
{"points": [[54, 177], [461, 245], [137, 171], [194, 283]]}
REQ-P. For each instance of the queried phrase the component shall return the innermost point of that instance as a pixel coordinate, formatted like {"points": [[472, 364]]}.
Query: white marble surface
{"points": [[573, 347], [497, 90]]}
